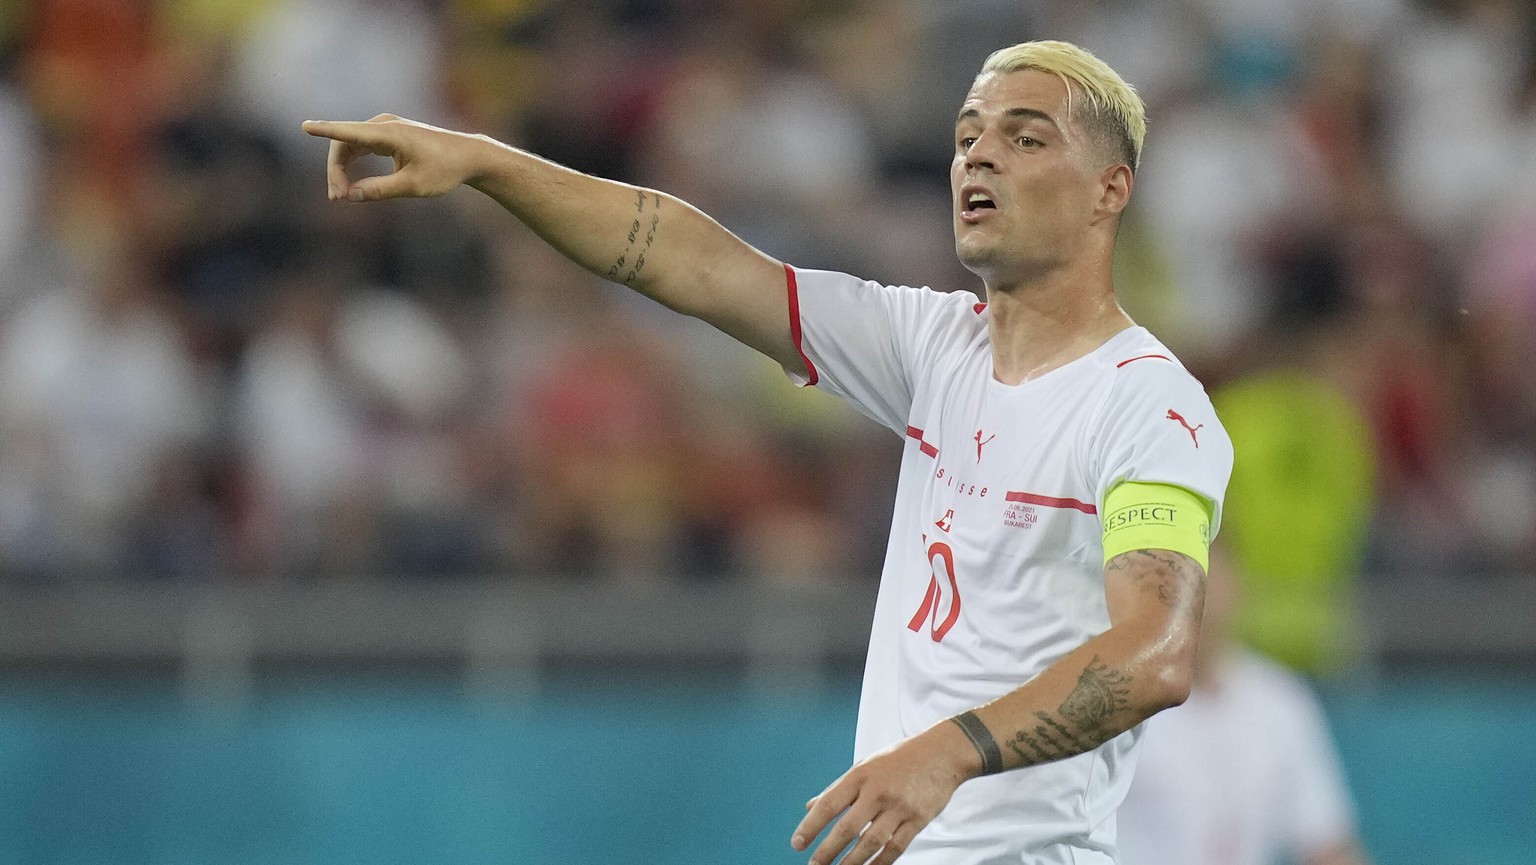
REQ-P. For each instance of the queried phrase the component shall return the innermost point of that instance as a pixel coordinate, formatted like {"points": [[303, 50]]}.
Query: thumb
{"points": [[379, 188]]}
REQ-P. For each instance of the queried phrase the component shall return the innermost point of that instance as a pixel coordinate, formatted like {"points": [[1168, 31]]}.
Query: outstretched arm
{"points": [[1140, 666], [650, 241]]}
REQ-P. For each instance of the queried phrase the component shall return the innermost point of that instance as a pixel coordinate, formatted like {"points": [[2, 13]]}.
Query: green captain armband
{"points": [[1141, 516]]}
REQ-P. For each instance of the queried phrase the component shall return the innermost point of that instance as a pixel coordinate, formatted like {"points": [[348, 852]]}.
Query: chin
{"points": [[978, 260]]}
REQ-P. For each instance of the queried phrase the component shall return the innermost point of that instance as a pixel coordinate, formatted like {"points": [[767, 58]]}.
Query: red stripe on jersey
{"points": [[1143, 357], [794, 322], [917, 434], [1051, 502], [979, 308]]}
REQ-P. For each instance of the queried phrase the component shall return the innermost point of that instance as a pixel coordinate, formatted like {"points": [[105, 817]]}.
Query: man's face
{"points": [[1027, 181]]}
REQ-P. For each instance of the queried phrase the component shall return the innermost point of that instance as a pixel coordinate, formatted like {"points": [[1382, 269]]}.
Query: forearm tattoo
{"points": [[1173, 577], [638, 238], [1084, 721]]}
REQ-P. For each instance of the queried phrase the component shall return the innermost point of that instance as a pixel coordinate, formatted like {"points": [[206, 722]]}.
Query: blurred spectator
{"points": [[100, 406], [1300, 500], [298, 388], [20, 175], [339, 58], [1205, 793], [1219, 171], [1456, 65], [98, 83], [752, 140], [345, 397]]}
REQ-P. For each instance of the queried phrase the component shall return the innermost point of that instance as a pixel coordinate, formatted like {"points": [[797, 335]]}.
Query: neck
{"points": [[1039, 325]]}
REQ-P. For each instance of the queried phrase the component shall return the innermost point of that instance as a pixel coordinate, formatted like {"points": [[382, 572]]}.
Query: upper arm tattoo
{"points": [[636, 237], [1173, 578]]}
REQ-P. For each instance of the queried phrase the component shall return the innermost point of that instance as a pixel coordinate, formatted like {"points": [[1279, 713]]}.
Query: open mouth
{"points": [[977, 202]]}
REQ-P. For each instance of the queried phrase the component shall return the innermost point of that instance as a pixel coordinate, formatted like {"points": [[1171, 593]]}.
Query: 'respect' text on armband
{"points": [[1142, 516]]}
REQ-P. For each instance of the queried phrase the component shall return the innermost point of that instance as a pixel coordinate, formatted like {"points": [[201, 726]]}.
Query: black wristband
{"points": [[981, 737]]}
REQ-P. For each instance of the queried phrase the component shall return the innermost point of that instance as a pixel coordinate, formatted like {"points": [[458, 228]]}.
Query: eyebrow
{"points": [[1031, 113]]}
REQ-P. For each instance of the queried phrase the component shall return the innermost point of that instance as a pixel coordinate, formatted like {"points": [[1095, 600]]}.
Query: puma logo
{"points": [[1173, 415], [979, 443]]}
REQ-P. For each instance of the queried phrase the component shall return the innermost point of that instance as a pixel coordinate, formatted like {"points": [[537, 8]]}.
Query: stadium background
{"points": [[350, 534]]}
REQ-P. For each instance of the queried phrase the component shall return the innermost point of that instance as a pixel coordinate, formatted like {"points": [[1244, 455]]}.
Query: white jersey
{"points": [[994, 568], [1205, 795]]}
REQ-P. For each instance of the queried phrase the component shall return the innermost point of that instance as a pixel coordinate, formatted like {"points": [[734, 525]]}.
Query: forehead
{"points": [[995, 93]]}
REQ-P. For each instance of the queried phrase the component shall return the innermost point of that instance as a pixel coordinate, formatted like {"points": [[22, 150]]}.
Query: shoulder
{"points": [[1140, 365], [1148, 385], [1155, 423]]}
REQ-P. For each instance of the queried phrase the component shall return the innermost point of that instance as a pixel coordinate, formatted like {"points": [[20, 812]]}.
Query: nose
{"points": [[983, 152]]}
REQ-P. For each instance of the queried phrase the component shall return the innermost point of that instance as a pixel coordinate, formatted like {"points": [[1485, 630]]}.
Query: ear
{"points": [[1115, 186]]}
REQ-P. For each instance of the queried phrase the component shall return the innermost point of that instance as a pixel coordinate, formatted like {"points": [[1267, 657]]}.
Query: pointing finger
{"points": [[368, 134]]}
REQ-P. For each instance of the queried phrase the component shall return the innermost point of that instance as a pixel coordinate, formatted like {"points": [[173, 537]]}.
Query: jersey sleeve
{"points": [[1157, 426], [861, 340]]}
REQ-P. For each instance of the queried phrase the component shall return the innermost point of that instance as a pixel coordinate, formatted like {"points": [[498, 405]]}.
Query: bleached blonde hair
{"points": [[1115, 111]]}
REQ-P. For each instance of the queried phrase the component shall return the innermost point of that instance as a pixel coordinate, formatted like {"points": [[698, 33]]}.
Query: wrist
{"points": [[966, 742], [483, 162]]}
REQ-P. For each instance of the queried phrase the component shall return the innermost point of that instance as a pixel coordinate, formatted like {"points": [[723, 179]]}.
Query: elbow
{"points": [[1171, 684], [1168, 661]]}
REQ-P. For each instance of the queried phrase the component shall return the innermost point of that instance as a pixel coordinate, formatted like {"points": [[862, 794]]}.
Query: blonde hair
{"points": [[1115, 111]]}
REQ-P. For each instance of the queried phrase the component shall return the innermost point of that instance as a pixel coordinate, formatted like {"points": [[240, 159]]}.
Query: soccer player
{"points": [[1062, 478], [1206, 794]]}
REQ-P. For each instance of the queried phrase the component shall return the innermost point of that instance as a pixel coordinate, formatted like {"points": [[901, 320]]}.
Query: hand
{"points": [[428, 161], [887, 799]]}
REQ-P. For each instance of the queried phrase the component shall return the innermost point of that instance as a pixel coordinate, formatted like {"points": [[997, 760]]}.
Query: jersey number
{"points": [[938, 551]]}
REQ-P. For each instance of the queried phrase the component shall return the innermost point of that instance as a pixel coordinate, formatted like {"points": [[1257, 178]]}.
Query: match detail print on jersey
{"points": [[1052, 502], [1020, 511]]}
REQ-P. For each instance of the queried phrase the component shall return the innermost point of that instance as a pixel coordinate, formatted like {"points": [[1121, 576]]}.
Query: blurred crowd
{"points": [[209, 372]]}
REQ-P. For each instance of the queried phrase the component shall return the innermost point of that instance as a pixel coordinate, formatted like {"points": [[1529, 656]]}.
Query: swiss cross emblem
{"points": [[947, 521]]}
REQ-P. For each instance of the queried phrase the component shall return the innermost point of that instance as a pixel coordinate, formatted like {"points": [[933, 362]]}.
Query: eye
{"points": [[965, 143], [1027, 142]]}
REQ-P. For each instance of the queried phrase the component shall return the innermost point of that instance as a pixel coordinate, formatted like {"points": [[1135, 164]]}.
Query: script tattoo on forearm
{"points": [[1085, 718], [635, 238], [1169, 576]]}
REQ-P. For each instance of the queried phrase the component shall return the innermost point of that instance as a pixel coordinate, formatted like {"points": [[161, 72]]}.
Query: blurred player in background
{"points": [[1208, 792], [1062, 478]]}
